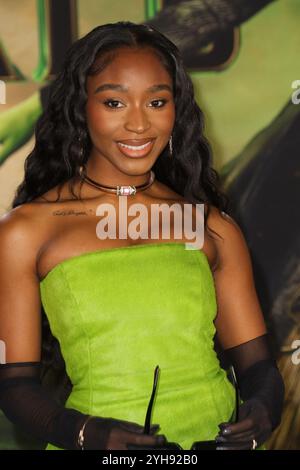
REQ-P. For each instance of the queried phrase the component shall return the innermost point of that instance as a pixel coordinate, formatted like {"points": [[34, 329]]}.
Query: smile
{"points": [[135, 147], [136, 150]]}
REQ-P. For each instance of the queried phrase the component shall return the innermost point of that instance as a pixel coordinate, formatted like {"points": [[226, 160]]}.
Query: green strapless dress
{"points": [[120, 312]]}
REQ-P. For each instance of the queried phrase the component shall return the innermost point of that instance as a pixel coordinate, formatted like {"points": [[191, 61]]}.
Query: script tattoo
{"points": [[71, 212]]}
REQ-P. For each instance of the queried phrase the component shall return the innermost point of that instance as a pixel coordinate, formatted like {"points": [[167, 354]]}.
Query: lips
{"points": [[136, 148]]}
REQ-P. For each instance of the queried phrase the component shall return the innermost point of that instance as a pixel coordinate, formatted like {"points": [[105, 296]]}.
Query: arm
{"points": [[242, 333], [22, 396]]}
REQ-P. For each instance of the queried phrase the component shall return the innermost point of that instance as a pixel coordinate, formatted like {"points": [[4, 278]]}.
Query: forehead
{"points": [[132, 67]]}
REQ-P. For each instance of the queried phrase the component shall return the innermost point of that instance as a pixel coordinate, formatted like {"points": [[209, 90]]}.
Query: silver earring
{"points": [[170, 146], [80, 143]]}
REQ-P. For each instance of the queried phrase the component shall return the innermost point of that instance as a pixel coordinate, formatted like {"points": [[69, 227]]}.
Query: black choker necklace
{"points": [[118, 190]]}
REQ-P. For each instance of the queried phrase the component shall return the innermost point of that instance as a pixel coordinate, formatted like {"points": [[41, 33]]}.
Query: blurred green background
{"points": [[238, 100]]}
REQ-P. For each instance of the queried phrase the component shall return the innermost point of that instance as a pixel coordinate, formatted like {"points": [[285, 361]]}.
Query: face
{"points": [[137, 113]]}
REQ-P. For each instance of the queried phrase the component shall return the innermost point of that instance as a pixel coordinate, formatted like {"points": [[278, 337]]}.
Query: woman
{"points": [[122, 112]]}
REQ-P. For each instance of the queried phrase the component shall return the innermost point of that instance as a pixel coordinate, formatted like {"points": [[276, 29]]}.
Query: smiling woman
{"points": [[101, 315]]}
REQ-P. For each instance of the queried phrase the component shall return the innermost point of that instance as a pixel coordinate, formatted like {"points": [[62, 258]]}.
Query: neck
{"points": [[102, 171]]}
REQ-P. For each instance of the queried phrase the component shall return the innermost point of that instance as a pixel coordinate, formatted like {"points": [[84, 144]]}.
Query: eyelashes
{"points": [[106, 103]]}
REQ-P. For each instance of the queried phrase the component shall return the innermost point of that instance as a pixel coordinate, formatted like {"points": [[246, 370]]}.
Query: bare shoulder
{"points": [[26, 216], [230, 240], [20, 235], [221, 221], [16, 218]]}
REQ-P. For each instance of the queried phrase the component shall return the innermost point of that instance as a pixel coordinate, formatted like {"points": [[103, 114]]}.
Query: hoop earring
{"points": [[170, 146]]}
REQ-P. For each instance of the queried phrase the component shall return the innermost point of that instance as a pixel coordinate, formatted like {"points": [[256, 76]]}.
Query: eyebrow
{"points": [[118, 87]]}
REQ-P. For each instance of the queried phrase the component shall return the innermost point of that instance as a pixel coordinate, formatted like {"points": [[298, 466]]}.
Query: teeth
{"points": [[134, 147]]}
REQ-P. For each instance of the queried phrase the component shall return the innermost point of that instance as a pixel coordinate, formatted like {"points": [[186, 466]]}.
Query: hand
{"points": [[254, 425], [114, 434], [126, 435]]}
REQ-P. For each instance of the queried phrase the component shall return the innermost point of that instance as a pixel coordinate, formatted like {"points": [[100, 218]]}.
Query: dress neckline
{"points": [[187, 247]]}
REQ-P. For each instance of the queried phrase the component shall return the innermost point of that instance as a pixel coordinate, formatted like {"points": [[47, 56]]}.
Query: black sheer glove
{"points": [[262, 390], [123, 435], [252, 429], [30, 406]]}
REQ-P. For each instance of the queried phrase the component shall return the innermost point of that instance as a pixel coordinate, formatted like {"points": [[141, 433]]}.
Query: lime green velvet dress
{"points": [[120, 312]]}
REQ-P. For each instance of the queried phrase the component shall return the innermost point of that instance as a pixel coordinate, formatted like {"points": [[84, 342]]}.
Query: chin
{"points": [[136, 168]]}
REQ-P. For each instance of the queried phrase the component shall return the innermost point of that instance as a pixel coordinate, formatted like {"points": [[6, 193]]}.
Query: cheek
{"points": [[162, 121], [97, 121], [169, 118]]}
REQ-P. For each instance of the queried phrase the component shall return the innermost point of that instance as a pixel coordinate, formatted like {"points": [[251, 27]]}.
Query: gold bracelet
{"points": [[80, 440]]}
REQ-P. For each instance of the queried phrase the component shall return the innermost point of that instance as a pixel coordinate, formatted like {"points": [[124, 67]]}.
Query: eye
{"points": [[107, 103], [111, 101], [157, 101]]}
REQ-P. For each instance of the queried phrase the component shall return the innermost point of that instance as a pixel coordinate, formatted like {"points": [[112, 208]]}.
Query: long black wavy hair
{"points": [[63, 144]]}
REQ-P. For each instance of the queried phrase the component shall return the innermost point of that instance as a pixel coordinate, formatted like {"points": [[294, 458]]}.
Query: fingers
{"points": [[154, 428], [244, 445], [237, 436], [243, 440], [244, 436], [149, 440], [240, 435], [252, 425], [126, 434], [158, 443], [245, 425], [133, 427]]}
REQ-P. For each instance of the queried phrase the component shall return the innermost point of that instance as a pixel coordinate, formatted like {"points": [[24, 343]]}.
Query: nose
{"points": [[137, 120]]}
